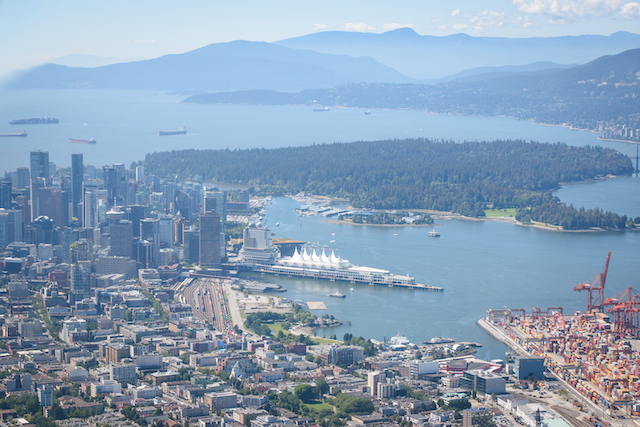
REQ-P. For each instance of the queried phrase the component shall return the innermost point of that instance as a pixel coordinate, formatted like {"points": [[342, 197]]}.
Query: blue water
{"points": [[481, 265], [126, 125]]}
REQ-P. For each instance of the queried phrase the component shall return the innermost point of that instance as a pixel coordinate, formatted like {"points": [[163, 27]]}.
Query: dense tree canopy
{"points": [[465, 178]]}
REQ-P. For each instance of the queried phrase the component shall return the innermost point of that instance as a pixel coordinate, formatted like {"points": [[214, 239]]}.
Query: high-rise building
{"points": [[45, 396], [54, 203], [77, 176], [166, 230], [5, 194], [136, 214], [81, 280], [150, 231], [39, 164], [216, 201], [10, 226], [191, 246], [210, 233], [22, 178], [121, 234]]}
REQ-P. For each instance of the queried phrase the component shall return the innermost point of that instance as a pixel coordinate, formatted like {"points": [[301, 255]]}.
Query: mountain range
{"points": [[430, 57], [603, 92], [221, 66], [330, 59]]}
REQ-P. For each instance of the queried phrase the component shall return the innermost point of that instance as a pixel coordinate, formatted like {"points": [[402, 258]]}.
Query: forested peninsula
{"points": [[465, 178]]}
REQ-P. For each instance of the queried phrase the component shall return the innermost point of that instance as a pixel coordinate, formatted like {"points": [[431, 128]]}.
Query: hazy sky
{"points": [[32, 32]]}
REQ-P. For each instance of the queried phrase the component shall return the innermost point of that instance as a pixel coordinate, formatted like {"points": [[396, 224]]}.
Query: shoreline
{"points": [[451, 216]]}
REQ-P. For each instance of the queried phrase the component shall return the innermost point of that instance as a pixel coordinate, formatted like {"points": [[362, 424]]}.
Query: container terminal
{"points": [[258, 254], [597, 353]]}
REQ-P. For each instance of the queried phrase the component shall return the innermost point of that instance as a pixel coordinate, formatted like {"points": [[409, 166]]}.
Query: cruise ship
{"points": [[258, 254]]}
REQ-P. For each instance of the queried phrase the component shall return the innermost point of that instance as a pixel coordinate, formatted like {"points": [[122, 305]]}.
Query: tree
{"points": [[417, 355], [321, 387], [304, 392]]}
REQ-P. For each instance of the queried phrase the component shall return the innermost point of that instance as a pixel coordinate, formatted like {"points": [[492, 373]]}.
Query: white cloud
{"points": [[395, 26], [630, 11], [359, 27], [143, 41], [320, 27], [566, 10], [486, 20]]}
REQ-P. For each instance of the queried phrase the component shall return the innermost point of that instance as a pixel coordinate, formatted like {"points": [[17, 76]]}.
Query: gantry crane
{"points": [[595, 289]]}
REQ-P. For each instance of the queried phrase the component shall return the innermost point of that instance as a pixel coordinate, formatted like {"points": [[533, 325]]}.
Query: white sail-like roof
{"points": [[313, 259]]}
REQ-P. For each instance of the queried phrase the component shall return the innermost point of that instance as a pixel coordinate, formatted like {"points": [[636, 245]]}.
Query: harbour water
{"points": [[480, 264], [126, 124]]}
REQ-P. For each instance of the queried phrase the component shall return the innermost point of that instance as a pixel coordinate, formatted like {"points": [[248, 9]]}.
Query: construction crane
{"points": [[595, 289]]}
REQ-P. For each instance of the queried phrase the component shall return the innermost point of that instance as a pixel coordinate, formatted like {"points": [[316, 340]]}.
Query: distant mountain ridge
{"points": [[602, 93], [433, 57], [235, 65]]}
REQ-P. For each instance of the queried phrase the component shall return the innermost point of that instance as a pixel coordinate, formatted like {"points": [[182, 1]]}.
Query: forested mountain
{"points": [[434, 57], [222, 66], [404, 174], [604, 92]]}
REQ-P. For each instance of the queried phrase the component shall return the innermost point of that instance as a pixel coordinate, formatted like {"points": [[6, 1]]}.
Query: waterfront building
{"points": [[529, 366], [258, 247]]}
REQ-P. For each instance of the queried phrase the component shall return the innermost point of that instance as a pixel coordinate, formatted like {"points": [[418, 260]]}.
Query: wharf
{"points": [[583, 364], [391, 281]]}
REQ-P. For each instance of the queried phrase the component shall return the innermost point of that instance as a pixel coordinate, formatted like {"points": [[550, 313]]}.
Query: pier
{"points": [[344, 275]]}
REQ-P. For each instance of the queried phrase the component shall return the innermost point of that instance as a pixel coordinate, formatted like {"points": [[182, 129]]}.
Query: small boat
{"points": [[433, 233], [83, 141], [337, 295], [352, 290], [23, 133], [321, 109], [332, 241], [277, 224], [366, 113]]}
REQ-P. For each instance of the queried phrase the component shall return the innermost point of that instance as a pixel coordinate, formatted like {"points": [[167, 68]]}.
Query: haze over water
{"points": [[126, 125], [480, 264]]}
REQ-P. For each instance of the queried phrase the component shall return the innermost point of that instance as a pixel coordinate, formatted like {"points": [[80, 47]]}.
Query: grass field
{"points": [[489, 213], [318, 406]]}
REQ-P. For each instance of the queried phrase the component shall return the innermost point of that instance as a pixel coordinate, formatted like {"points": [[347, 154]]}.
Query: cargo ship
{"points": [[321, 109], [23, 133], [34, 121], [83, 141], [181, 131]]}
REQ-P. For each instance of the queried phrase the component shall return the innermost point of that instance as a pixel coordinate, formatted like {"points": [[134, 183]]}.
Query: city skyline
{"points": [[146, 29]]}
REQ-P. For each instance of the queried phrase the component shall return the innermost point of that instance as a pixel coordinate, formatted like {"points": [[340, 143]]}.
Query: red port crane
{"points": [[595, 289], [624, 306]]}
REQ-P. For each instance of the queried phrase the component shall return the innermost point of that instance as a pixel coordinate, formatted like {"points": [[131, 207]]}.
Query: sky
{"points": [[33, 32]]}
